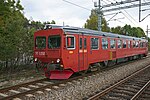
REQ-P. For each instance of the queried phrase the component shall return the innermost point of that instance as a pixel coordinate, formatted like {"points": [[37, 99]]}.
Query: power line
{"points": [[119, 3], [123, 2], [129, 19], [76, 5], [113, 16], [130, 16], [126, 7]]}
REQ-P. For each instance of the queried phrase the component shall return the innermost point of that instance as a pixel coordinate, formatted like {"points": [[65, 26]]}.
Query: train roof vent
{"points": [[50, 26], [53, 26]]}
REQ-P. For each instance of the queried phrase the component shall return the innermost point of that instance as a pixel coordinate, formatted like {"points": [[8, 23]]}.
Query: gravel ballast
{"points": [[80, 89]]}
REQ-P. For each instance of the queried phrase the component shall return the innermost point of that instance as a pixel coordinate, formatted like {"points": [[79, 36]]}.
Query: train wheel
{"points": [[106, 63], [130, 58]]}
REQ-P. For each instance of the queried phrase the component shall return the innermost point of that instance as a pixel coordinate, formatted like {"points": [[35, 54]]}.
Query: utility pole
{"points": [[99, 12], [99, 16], [147, 31], [116, 6], [139, 10]]}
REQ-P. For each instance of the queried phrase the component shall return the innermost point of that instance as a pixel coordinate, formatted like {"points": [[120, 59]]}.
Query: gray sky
{"points": [[60, 11]]}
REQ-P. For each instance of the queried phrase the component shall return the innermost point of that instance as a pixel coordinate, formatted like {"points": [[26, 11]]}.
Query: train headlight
{"points": [[35, 59], [58, 60]]}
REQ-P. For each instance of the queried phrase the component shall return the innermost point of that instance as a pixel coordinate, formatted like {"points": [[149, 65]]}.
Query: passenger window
{"points": [[134, 45], [84, 43], [124, 44], [80, 43], [119, 44], [70, 42], [137, 44], [129, 44], [94, 43], [112, 44], [104, 43]]}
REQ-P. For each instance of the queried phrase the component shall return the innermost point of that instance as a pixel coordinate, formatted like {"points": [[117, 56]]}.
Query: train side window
{"points": [[146, 44], [94, 43], [112, 44], [137, 44], [119, 44], [141, 44], [70, 42], [80, 43], [134, 45], [104, 43], [85, 43], [129, 44], [124, 44]]}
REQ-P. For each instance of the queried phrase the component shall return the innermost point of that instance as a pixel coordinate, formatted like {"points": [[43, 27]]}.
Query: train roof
{"points": [[93, 32]]}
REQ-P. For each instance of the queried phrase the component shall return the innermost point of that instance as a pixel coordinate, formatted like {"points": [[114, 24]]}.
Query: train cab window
{"points": [[119, 44], [70, 42], [94, 43], [136, 44], [104, 43], [129, 44], [124, 44], [85, 43], [54, 42], [112, 44], [40, 43]]}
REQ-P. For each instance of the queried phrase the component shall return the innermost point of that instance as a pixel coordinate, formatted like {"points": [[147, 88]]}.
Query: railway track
{"points": [[133, 87], [14, 91], [27, 90]]}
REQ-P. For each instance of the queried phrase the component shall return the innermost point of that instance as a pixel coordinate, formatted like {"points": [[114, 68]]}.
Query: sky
{"points": [[61, 11]]}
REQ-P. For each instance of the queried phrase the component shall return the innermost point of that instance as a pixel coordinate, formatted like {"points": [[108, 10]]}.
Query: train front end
{"points": [[48, 53]]}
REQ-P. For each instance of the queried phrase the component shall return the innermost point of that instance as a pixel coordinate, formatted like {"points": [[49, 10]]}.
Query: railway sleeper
{"points": [[119, 95]]}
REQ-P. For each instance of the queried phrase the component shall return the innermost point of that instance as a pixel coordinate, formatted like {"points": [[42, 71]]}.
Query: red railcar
{"points": [[65, 50]]}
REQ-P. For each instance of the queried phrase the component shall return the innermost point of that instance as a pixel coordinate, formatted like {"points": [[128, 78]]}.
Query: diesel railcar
{"points": [[63, 50]]}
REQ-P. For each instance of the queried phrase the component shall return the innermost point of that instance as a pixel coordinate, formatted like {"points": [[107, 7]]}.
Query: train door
{"points": [[82, 52]]}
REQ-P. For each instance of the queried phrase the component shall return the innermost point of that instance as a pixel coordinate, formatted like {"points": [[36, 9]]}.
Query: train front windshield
{"points": [[40, 43], [54, 42]]}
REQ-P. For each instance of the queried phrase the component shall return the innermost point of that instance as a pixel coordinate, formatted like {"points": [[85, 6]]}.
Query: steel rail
{"points": [[102, 93], [38, 89], [21, 85], [141, 91]]}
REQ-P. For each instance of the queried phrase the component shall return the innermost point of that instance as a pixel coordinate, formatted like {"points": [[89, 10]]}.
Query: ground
{"points": [[19, 77]]}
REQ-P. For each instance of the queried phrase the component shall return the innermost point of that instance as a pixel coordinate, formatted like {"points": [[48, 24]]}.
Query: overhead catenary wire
{"points": [[113, 16], [117, 14], [76, 5], [129, 19], [129, 16]]}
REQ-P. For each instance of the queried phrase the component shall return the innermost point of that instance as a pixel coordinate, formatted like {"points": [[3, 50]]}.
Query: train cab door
{"points": [[83, 53]]}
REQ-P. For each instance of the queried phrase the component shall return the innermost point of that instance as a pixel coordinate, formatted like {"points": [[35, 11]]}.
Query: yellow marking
{"points": [[80, 51], [110, 55], [85, 50], [70, 52]]}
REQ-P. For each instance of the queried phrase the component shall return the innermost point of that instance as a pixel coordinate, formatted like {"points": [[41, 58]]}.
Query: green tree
{"points": [[128, 30], [117, 30], [13, 30], [92, 22]]}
